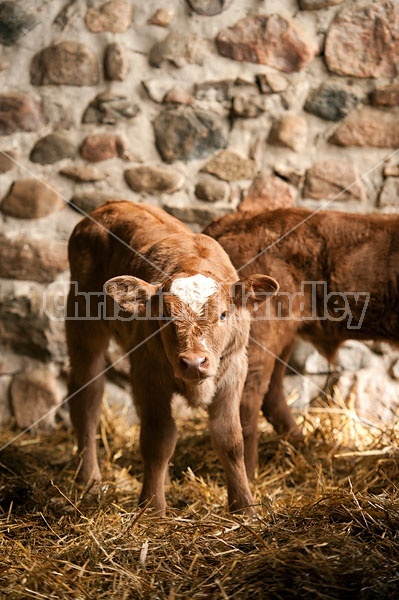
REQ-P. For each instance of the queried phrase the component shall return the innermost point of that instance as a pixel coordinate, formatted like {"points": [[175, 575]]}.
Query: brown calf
{"points": [[182, 321], [339, 280]]}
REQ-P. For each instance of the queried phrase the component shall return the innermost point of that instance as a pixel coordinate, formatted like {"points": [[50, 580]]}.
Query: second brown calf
{"points": [[339, 280]]}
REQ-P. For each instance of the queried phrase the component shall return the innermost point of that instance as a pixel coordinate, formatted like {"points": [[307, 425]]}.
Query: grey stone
{"points": [[19, 112], [212, 189], [389, 195], [180, 48], [31, 199], [5, 409], [108, 108], [52, 148], [25, 326], [88, 201], [196, 214], [34, 259], [65, 63], [186, 133], [14, 22], [318, 4], [35, 396], [83, 173], [230, 166], [154, 179], [209, 8], [375, 394], [7, 160], [116, 64], [332, 101]]}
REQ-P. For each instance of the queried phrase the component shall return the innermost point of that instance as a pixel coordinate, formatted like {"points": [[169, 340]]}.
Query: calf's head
{"points": [[200, 317]]}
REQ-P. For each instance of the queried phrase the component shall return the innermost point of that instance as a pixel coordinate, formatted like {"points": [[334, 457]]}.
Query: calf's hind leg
{"points": [[87, 342], [274, 406]]}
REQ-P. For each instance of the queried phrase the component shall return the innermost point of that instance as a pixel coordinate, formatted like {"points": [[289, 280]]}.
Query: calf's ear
{"points": [[253, 290], [131, 293]]}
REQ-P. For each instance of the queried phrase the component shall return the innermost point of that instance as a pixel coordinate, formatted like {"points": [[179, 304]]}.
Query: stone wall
{"points": [[199, 106]]}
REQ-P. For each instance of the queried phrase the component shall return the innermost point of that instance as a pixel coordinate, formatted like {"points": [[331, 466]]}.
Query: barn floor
{"points": [[327, 524]]}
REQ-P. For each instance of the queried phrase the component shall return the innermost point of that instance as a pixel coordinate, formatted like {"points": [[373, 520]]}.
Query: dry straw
{"points": [[327, 524]]}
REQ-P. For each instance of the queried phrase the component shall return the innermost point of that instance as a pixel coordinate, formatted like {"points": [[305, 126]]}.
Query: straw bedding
{"points": [[327, 523]]}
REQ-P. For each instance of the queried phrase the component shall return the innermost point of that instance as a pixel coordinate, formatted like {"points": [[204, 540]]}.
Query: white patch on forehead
{"points": [[194, 290]]}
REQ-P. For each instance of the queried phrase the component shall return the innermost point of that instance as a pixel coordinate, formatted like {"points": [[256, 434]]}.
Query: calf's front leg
{"points": [[227, 439], [158, 436]]}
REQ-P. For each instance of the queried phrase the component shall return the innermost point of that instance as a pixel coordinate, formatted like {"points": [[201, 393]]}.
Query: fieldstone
{"points": [[209, 8], [115, 16], [389, 195], [180, 49], [35, 259], [7, 160], [214, 91], [85, 202], [247, 105], [333, 179], [14, 22], [185, 133], [116, 63], [267, 192], [290, 131], [387, 95], [52, 148], [368, 127], [103, 146], [332, 101], [157, 87], [317, 4], [83, 173], [31, 199], [269, 40], [394, 369], [19, 112], [391, 170], [292, 175], [271, 83], [230, 166], [162, 17], [154, 179], [66, 63], [35, 396], [374, 392], [5, 411], [212, 189], [24, 325], [178, 95], [196, 214], [108, 108], [363, 41]]}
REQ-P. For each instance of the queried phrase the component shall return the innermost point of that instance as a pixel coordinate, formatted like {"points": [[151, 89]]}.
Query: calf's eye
{"points": [[223, 316]]}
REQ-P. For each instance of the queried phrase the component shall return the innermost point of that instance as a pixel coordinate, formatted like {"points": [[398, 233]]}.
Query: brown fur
{"points": [[350, 252], [134, 252]]}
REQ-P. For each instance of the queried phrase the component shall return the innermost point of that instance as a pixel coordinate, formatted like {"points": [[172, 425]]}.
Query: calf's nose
{"points": [[193, 365]]}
